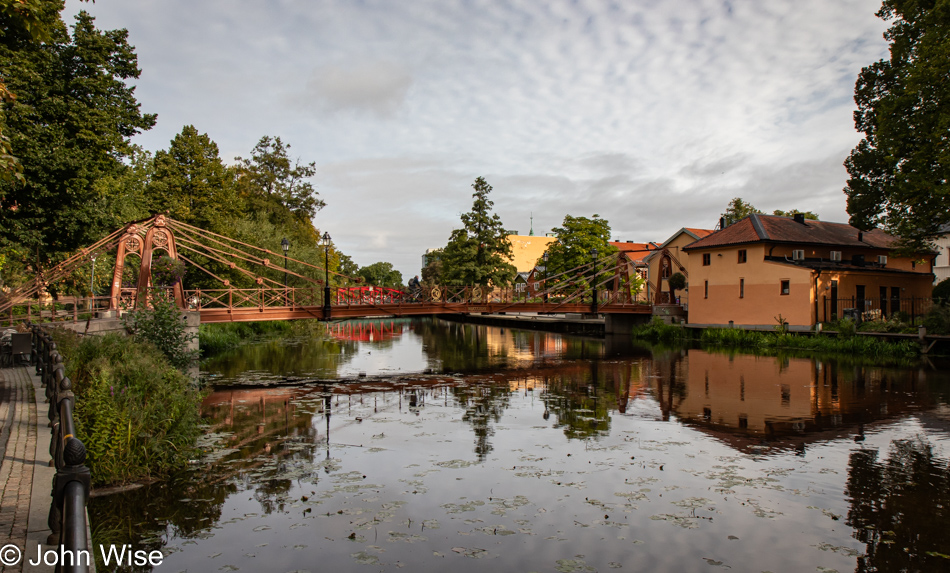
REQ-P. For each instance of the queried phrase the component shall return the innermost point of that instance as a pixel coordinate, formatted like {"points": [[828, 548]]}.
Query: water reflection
{"points": [[900, 507], [674, 461]]}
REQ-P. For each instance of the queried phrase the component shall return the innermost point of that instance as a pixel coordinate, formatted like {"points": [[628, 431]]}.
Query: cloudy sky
{"points": [[651, 113]]}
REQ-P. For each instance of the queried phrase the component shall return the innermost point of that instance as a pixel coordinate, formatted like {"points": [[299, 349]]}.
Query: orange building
{"points": [[764, 266], [661, 267]]}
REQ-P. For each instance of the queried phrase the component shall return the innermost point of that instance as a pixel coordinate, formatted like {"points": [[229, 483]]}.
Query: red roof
{"points": [[634, 251], [774, 229]]}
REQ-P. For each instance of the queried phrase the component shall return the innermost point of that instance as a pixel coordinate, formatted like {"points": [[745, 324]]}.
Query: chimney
{"points": [[800, 218], [722, 223]]}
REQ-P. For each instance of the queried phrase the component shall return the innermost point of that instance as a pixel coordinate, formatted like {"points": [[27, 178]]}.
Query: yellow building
{"points": [[806, 271], [527, 249]]}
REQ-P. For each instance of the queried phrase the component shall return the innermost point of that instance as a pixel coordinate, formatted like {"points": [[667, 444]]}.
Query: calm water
{"points": [[552, 454]]}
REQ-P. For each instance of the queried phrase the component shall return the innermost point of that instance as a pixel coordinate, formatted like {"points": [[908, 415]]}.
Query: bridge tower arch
{"points": [[158, 238]]}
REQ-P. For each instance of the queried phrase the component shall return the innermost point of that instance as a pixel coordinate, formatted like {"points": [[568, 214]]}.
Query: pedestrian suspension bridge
{"points": [[250, 283]]}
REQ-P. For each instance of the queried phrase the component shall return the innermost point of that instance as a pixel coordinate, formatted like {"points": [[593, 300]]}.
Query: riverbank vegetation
{"points": [[844, 341], [215, 338], [137, 415]]}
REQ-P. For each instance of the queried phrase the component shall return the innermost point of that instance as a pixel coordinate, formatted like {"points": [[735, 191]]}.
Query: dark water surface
{"points": [[553, 454]]}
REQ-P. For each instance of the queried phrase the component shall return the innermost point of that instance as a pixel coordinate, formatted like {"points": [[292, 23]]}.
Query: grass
{"points": [[658, 331]]}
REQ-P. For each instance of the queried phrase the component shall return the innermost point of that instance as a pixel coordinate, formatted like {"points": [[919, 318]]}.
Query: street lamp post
{"points": [[593, 304], [545, 283], [285, 245], [92, 284], [326, 275]]}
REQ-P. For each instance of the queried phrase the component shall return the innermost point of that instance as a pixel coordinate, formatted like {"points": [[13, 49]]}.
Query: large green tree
{"points": [[381, 274], [478, 253], [899, 171], [271, 182], [577, 237], [70, 125], [193, 185]]}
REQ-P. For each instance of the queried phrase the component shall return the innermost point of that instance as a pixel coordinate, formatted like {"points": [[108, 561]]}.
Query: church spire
{"points": [[531, 232]]}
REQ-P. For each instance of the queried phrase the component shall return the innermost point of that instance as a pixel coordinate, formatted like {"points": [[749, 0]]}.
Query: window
{"points": [[741, 288], [707, 257], [706, 289], [742, 256], [785, 287]]}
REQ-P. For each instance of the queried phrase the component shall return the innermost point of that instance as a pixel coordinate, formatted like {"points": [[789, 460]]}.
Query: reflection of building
{"points": [[741, 396], [806, 271]]}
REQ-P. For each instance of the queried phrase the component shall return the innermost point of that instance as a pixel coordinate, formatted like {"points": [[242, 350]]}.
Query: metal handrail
{"points": [[71, 483]]}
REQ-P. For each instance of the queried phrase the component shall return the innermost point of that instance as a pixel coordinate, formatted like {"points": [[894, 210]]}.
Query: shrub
{"points": [[164, 326], [937, 321], [214, 338], [137, 415], [659, 331], [941, 292]]}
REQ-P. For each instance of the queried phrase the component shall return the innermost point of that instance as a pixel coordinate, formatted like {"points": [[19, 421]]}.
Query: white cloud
{"points": [[377, 86]]}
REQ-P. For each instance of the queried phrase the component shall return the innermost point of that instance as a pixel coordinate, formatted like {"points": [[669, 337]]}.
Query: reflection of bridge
{"points": [[600, 286]]}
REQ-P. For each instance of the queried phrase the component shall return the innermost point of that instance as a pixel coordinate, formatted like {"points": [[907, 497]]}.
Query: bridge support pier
{"points": [[624, 323]]}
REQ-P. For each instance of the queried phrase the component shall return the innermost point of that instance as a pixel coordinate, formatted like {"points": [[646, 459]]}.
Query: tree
{"points": [[576, 238], [432, 272], [478, 253], [70, 125], [677, 281], [381, 274], [793, 212], [737, 209], [941, 292], [899, 171], [192, 184], [269, 180]]}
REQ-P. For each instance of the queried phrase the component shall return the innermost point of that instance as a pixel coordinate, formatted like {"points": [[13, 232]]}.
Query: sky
{"points": [[652, 114]]}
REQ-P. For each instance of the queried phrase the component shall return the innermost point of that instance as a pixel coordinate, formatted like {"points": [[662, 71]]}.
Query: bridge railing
{"points": [[64, 309], [71, 483]]}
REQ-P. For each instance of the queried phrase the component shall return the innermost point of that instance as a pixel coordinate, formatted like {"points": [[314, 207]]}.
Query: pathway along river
{"points": [[530, 451]]}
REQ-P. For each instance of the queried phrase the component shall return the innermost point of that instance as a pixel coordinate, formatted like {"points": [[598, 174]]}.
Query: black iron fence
{"points": [[67, 515], [906, 309]]}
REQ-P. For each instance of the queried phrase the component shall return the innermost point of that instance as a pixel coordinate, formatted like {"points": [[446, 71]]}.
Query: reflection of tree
{"points": [[581, 401], [181, 508], [459, 347], [283, 358], [900, 508], [484, 404]]}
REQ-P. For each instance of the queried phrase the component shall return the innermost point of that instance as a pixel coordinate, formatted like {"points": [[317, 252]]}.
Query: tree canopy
{"points": [[70, 125], [381, 274], [807, 214], [899, 170], [576, 238], [271, 182], [737, 209], [478, 253]]}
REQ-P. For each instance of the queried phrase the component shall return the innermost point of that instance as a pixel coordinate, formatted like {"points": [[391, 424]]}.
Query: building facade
{"points": [[660, 267], [765, 268]]}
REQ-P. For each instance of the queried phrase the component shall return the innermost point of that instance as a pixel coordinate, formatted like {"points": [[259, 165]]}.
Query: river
{"points": [[469, 448]]}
